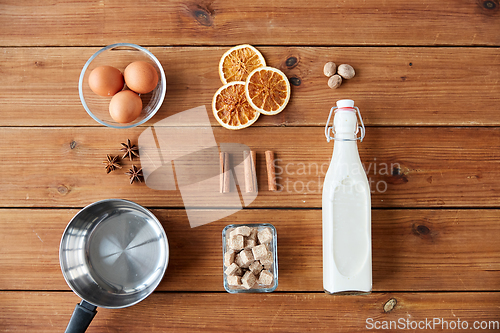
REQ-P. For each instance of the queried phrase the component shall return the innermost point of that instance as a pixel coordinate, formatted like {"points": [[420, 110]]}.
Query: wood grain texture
{"points": [[393, 86], [413, 250], [50, 312], [407, 167], [290, 22], [422, 68]]}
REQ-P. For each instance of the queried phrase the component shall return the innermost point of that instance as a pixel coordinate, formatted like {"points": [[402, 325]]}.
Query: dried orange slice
{"points": [[267, 90], [238, 62], [231, 108]]}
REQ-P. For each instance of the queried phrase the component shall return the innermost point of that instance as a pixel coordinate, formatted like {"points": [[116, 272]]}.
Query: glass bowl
{"points": [[272, 247], [119, 56]]}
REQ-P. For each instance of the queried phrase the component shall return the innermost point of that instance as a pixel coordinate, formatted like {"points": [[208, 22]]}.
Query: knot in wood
{"points": [[62, 189], [203, 15], [423, 230]]}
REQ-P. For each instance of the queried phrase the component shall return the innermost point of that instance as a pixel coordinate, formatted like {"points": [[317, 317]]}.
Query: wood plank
{"points": [[50, 312], [290, 22], [418, 250], [407, 167], [393, 86]]}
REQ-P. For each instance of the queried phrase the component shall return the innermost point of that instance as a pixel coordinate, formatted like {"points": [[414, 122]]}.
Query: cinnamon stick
{"points": [[250, 171], [253, 155], [224, 174], [221, 176], [271, 172]]}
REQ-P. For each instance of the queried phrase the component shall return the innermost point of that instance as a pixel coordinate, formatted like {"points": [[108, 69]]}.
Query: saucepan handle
{"points": [[81, 317]]}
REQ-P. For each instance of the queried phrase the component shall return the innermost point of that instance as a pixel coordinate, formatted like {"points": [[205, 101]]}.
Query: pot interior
{"points": [[114, 253]]}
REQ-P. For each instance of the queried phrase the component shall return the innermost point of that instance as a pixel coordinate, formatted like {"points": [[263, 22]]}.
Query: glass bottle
{"points": [[346, 208]]}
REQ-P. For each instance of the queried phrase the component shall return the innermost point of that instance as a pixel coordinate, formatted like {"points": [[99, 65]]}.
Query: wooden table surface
{"points": [[427, 85]]}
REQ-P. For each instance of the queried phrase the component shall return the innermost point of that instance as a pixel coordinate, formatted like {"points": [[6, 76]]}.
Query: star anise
{"points": [[130, 150], [111, 163], [135, 174]]}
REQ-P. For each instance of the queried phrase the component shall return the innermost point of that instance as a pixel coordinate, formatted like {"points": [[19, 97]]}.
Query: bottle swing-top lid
{"points": [[345, 105]]}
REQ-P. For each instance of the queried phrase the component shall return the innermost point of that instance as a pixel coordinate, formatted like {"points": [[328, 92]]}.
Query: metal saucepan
{"points": [[113, 254]]}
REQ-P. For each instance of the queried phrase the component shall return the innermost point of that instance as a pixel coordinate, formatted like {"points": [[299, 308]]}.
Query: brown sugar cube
{"points": [[243, 230], [260, 252], [246, 258], [253, 234], [234, 280], [237, 242], [229, 257], [248, 280], [255, 268], [240, 262], [233, 269], [266, 278], [249, 243], [265, 236], [268, 261]]}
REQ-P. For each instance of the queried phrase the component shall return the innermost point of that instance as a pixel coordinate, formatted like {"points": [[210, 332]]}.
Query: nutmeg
{"points": [[346, 71], [329, 69], [335, 81]]}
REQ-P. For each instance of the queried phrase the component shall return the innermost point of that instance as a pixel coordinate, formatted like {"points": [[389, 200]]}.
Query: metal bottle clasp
{"points": [[330, 129]]}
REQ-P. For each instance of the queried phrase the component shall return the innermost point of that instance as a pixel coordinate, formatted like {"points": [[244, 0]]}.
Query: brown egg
{"points": [[141, 77], [105, 80], [125, 106]]}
